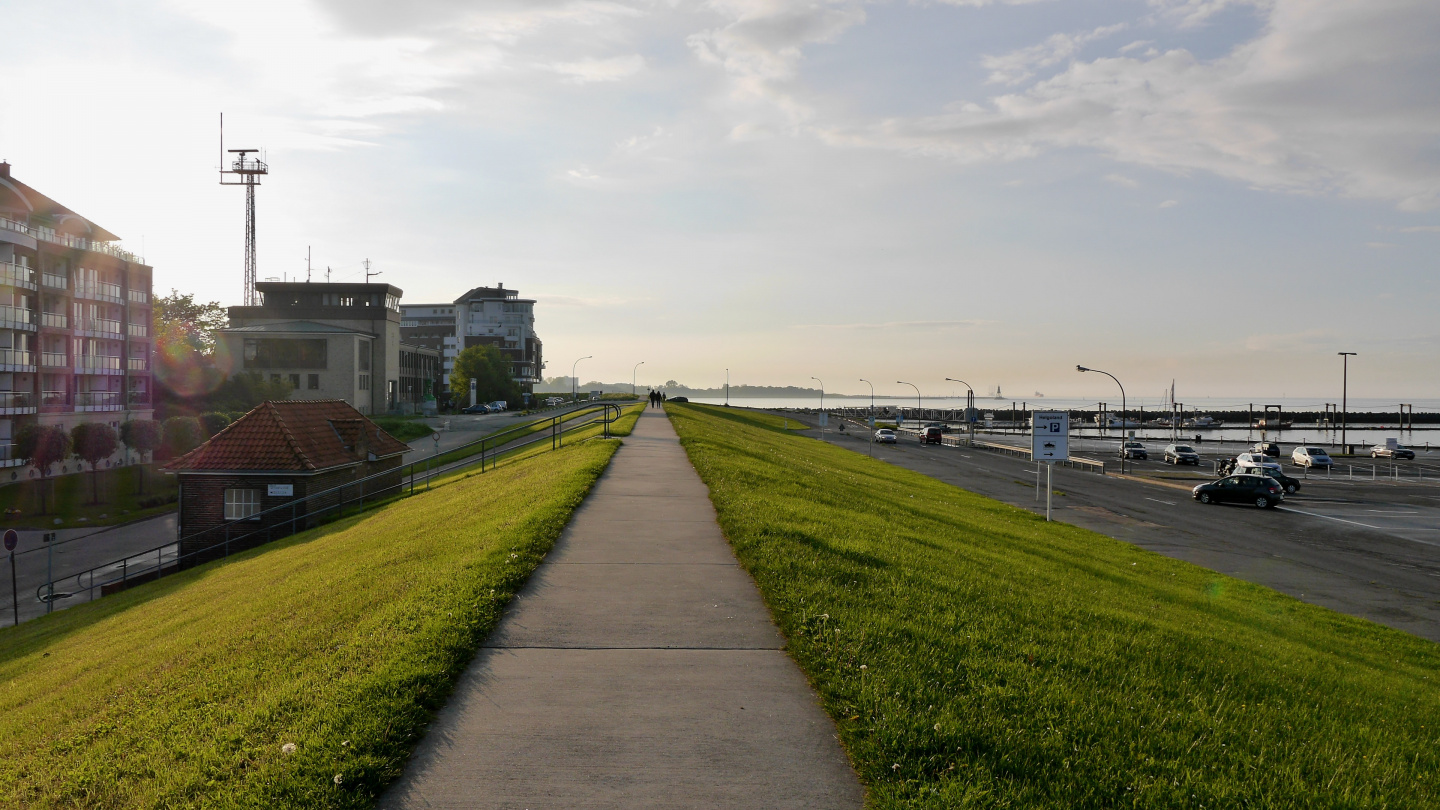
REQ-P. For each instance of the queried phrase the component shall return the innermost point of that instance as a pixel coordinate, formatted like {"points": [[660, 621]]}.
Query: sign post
{"points": [[1049, 442], [12, 538]]}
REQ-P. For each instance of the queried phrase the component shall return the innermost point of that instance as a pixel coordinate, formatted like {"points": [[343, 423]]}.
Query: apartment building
{"points": [[75, 322], [484, 315], [332, 341]]}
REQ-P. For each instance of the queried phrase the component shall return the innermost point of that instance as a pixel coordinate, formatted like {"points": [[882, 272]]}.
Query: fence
{"points": [[331, 504]]}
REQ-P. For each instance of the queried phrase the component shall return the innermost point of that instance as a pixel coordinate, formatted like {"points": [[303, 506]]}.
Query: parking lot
{"points": [[1369, 548]]}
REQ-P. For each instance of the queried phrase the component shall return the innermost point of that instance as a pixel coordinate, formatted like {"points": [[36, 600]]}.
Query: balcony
{"points": [[16, 318], [138, 330], [139, 398], [52, 399], [55, 320], [100, 292], [98, 401], [98, 327], [139, 297], [17, 275], [97, 364], [80, 243], [16, 360], [8, 457], [54, 282], [54, 359], [138, 364], [17, 402]]}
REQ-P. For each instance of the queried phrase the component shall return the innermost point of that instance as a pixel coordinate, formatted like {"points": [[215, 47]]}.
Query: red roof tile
{"points": [[302, 435]]}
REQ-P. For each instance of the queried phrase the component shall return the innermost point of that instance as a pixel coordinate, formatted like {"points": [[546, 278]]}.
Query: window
{"points": [[284, 353], [274, 378], [295, 381], [314, 382], [242, 504], [364, 382], [364, 358]]}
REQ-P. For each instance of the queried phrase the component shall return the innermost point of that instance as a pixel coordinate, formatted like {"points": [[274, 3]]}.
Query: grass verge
{"points": [[404, 428], [973, 655], [341, 641], [68, 497]]}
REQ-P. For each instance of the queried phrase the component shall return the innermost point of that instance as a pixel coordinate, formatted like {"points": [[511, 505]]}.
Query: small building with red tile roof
{"points": [[312, 455]]}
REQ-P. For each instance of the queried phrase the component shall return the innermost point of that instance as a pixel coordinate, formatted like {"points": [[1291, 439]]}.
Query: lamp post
{"points": [[822, 404], [969, 406], [1122, 411], [633, 372], [727, 387], [575, 381], [872, 414], [1344, 393], [918, 415]]}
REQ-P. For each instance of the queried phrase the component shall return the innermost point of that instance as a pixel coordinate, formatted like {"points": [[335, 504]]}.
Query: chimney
{"points": [[4, 168]]}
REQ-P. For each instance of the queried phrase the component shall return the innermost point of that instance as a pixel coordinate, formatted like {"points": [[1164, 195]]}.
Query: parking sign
{"points": [[1050, 436]]}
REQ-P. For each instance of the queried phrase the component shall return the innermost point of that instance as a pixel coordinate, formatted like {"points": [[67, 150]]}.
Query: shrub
{"points": [[214, 422], [181, 434]]}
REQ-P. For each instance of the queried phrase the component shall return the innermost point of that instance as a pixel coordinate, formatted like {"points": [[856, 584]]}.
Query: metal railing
{"points": [[17, 275], [96, 362], [97, 399], [49, 235], [138, 364], [54, 359], [139, 397], [56, 320], [17, 399], [276, 522], [16, 315], [52, 280], [138, 330], [16, 357], [139, 297], [54, 397]]}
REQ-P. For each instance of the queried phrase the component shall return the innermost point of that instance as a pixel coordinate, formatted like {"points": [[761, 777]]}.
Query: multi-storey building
{"points": [[332, 341], [75, 321], [484, 315]]}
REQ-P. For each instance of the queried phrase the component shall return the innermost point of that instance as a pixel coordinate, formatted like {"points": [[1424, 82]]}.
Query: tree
{"points": [[143, 437], [42, 446], [94, 442], [243, 391], [491, 372], [180, 435], [214, 422], [182, 324]]}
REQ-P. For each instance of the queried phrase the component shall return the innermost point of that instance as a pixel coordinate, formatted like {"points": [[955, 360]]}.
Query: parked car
{"points": [[1135, 450], [554, 400], [1311, 457], [678, 399], [1270, 449], [1255, 464], [1290, 485], [1385, 451], [885, 436], [479, 407], [499, 405], [932, 435], [1260, 490], [1181, 454]]}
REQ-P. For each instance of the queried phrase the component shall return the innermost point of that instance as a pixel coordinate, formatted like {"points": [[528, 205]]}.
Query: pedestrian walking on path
{"points": [[638, 668]]}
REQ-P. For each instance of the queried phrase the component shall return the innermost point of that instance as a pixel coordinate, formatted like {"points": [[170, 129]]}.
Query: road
{"points": [[1369, 549], [77, 550]]}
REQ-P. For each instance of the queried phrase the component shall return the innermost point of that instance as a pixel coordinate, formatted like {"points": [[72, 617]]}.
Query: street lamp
{"points": [[727, 387], [918, 415], [822, 404], [1344, 392], [872, 414], [633, 372], [575, 381], [1122, 411], [969, 408]]}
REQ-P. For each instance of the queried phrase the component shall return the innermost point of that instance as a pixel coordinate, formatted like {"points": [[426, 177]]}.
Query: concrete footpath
{"points": [[638, 668]]}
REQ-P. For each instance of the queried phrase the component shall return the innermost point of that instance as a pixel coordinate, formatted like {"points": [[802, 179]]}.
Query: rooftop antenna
{"points": [[368, 274], [307, 264], [327, 274], [246, 172]]}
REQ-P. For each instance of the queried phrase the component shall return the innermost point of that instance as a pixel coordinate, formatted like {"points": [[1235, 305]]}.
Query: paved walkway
{"points": [[638, 668]]}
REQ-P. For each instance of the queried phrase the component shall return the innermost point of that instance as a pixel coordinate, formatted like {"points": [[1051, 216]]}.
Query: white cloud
{"points": [[1020, 65], [1333, 97], [924, 326], [600, 70], [1169, 204], [1121, 180]]}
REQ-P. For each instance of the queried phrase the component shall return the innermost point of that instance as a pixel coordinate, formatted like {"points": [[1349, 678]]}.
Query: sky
{"points": [[1221, 192]]}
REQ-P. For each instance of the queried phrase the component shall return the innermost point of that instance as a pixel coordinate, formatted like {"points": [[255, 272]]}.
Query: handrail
{"points": [[490, 448]]}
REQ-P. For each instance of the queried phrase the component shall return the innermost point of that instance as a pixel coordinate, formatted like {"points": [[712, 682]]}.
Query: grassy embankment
{"points": [[405, 428], [538, 426], [68, 497], [974, 656], [341, 641]]}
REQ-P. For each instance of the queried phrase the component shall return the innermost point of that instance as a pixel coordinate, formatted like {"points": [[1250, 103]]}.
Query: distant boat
{"points": [[1280, 424], [1116, 422], [1202, 422], [1038, 394]]}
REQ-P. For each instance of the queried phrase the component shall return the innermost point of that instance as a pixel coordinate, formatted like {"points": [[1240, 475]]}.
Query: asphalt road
{"points": [[1369, 549], [78, 550]]}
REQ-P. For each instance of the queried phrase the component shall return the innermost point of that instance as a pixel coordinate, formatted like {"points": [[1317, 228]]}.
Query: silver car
{"points": [[885, 436], [1311, 457]]}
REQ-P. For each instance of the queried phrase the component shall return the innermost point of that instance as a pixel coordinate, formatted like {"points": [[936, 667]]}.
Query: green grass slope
{"points": [[974, 656], [340, 641]]}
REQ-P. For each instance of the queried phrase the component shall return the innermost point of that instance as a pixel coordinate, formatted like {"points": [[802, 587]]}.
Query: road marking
{"points": [[1385, 512], [1328, 517], [1157, 500]]}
